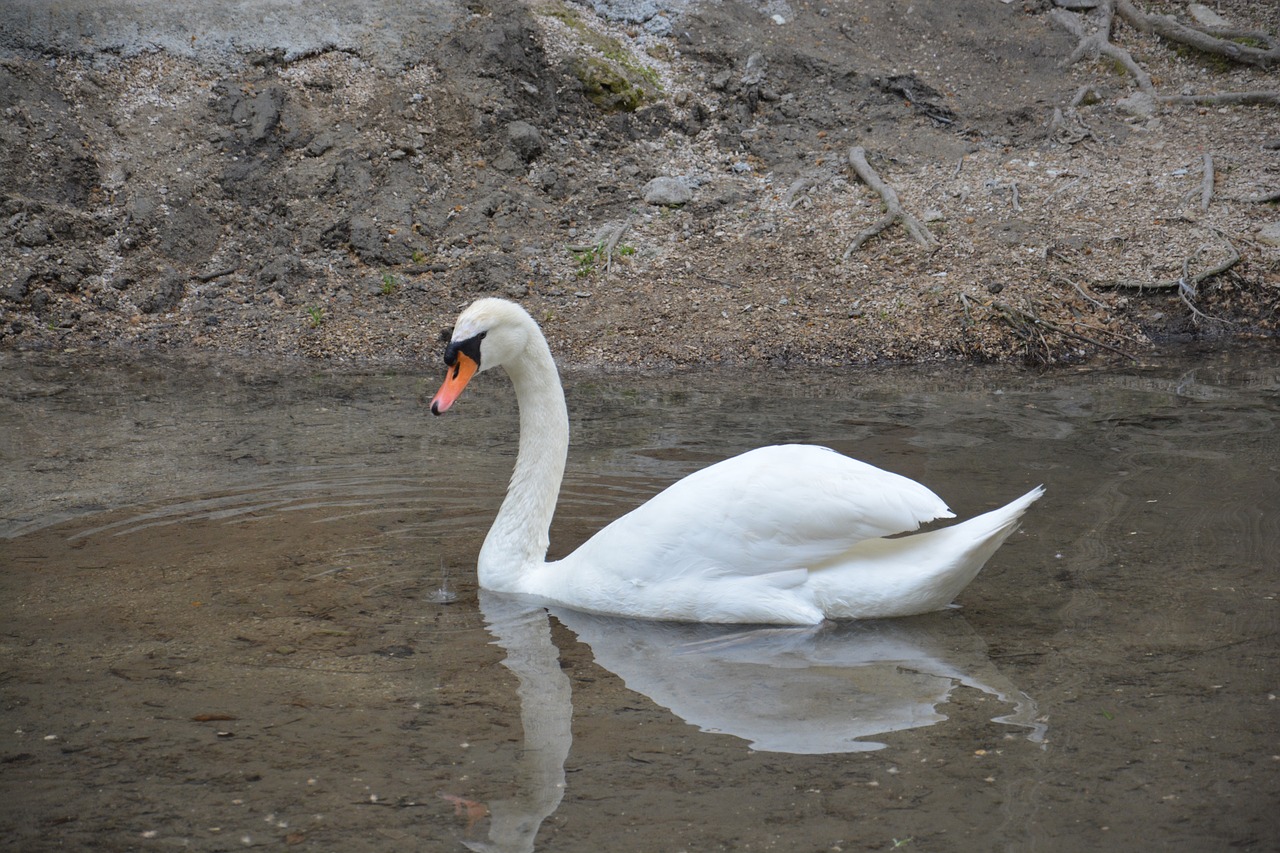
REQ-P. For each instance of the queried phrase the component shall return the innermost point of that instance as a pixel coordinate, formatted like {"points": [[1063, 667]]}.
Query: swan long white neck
{"points": [[518, 540]]}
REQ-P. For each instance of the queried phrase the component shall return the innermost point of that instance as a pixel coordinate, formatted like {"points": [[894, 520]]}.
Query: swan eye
{"points": [[470, 347]]}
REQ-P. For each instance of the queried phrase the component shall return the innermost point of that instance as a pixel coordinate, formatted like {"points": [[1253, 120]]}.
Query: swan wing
{"points": [[770, 512]]}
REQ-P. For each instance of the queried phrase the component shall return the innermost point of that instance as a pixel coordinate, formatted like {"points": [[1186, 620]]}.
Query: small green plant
{"points": [[419, 257], [316, 316], [588, 257], [389, 284]]}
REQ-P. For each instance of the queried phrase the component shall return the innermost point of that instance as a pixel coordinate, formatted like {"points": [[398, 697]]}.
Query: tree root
{"points": [[1215, 41], [1219, 42], [894, 211], [1182, 283], [1098, 43], [1226, 99], [1206, 183], [1263, 199], [606, 240], [1187, 285]]}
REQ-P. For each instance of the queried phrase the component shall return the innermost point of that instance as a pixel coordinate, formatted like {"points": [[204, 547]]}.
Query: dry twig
{"points": [[1026, 322], [894, 211]]}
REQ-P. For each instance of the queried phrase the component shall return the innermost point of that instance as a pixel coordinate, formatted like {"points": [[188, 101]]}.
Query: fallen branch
{"points": [[205, 278], [795, 193], [894, 211], [606, 240]]}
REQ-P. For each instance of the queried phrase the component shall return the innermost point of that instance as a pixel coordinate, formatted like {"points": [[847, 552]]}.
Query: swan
{"points": [[786, 535]]}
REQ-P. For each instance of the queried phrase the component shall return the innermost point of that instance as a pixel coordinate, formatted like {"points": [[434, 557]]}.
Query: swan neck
{"points": [[518, 541]]}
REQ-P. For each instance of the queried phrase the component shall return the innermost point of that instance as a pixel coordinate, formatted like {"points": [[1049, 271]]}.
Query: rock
{"points": [[164, 295], [525, 139], [1206, 17], [1270, 234], [16, 289], [319, 144], [368, 240], [667, 192], [34, 233], [1139, 104]]}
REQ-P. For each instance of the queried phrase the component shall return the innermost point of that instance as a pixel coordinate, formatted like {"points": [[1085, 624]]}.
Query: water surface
{"points": [[239, 611]]}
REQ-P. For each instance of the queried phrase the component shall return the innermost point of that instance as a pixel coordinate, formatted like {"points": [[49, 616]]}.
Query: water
{"points": [[239, 611]]}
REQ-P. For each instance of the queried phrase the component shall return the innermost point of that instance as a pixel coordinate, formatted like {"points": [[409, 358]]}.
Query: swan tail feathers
{"points": [[919, 573]]}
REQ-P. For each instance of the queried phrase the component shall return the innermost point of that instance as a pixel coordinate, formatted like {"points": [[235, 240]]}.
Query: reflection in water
{"points": [[546, 712], [807, 690]]}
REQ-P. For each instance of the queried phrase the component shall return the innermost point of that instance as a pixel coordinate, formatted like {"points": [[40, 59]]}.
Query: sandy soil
{"points": [[345, 200]]}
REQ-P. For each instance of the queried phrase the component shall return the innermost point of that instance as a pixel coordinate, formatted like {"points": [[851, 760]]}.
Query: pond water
{"points": [[239, 611]]}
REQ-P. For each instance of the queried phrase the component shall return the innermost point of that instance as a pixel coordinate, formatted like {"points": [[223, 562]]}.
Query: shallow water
{"points": [[239, 611]]}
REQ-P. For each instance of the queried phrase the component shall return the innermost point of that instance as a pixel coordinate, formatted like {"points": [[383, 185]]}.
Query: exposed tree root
{"points": [[1185, 281], [1219, 42], [1187, 285], [1226, 99], [1206, 183], [1093, 39], [894, 211]]}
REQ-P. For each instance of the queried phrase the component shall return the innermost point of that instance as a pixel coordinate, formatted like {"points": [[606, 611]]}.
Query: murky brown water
{"points": [[239, 612]]}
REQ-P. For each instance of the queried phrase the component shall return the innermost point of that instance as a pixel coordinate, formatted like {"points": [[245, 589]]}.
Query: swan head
{"points": [[488, 334]]}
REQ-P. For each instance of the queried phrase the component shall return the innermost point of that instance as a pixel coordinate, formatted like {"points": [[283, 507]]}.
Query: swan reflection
{"points": [[813, 690], [803, 690]]}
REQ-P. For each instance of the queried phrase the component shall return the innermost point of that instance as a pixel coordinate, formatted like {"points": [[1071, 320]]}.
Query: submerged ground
{"points": [[238, 611]]}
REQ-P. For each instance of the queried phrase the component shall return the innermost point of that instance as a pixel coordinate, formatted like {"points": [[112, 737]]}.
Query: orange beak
{"points": [[454, 381]]}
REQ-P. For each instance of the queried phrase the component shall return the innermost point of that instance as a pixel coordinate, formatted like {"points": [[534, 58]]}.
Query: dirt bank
{"points": [[340, 187]]}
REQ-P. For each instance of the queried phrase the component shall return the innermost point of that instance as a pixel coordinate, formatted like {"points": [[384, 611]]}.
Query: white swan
{"points": [[790, 534]]}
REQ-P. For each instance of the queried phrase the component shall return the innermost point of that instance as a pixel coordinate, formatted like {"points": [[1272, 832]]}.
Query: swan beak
{"points": [[460, 373]]}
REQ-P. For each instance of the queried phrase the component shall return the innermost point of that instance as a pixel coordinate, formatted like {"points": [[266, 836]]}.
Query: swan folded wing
{"points": [[774, 509]]}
